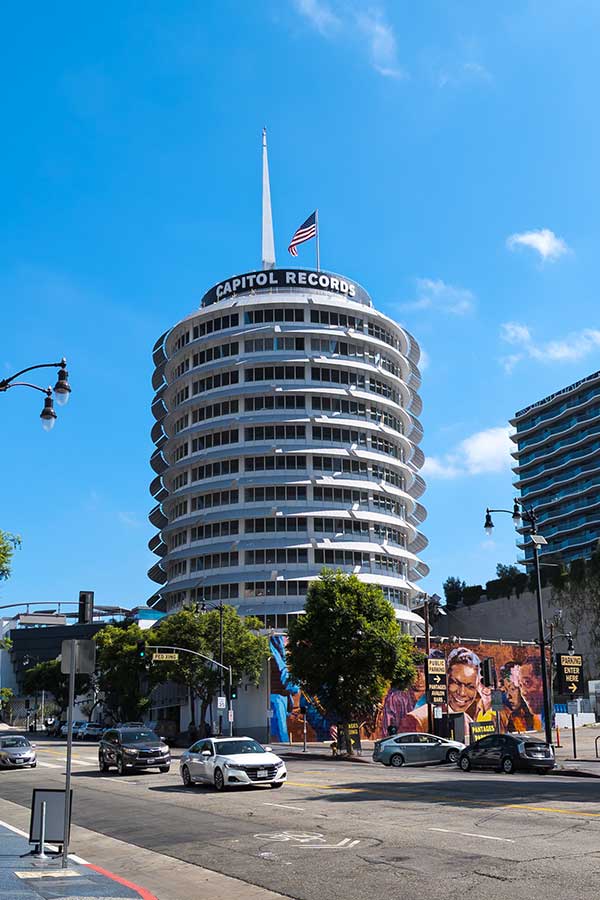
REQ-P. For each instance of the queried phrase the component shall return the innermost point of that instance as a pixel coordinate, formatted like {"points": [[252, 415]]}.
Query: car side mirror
{"points": [[34, 746], [269, 749], [206, 753]]}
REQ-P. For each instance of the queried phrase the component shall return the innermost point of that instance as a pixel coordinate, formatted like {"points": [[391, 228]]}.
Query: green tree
{"points": [[121, 676], [46, 676], [453, 591], [243, 649], [507, 573], [348, 647], [8, 543], [6, 696]]}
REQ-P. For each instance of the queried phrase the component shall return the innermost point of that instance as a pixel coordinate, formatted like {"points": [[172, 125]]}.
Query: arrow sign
{"points": [[572, 688], [436, 679], [569, 671]]}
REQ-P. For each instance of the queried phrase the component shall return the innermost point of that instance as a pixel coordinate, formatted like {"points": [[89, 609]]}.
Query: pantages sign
{"points": [[285, 278]]}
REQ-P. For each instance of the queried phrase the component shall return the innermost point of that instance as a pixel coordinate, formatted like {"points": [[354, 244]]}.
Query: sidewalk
{"points": [[27, 878]]}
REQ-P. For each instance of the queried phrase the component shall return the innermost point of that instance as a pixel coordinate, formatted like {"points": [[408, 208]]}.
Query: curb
{"points": [[298, 754], [574, 773], [144, 894]]}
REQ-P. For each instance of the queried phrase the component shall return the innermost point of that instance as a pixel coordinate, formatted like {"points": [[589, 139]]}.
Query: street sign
{"points": [[165, 657], [573, 708], [569, 671], [85, 657], [230, 715], [435, 674], [221, 702], [497, 701]]}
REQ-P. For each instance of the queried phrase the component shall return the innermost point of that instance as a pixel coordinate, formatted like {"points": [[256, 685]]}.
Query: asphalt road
{"points": [[340, 831]]}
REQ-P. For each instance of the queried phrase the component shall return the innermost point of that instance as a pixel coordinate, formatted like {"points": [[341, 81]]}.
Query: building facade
{"points": [[558, 468], [287, 439]]}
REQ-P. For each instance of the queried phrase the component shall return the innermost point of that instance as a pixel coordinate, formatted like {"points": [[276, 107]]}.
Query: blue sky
{"points": [[452, 150]]}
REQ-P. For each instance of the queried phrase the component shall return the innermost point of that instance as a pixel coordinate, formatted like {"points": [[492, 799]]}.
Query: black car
{"points": [[508, 753], [132, 748]]}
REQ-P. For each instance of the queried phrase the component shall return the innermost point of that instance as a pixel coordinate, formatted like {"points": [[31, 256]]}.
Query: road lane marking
{"points": [[485, 837], [49, 765], [283, 806], [552, 809]]}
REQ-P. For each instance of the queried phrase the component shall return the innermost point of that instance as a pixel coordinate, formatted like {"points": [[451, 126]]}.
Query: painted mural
{"points": [[518, 677]]}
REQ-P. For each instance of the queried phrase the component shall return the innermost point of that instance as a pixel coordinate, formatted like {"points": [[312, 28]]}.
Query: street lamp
{"points": [[527, 516], [427, 600], [61, 389]]}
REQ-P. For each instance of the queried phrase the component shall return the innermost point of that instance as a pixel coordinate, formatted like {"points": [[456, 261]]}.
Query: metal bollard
{"points": [[42, 854]]}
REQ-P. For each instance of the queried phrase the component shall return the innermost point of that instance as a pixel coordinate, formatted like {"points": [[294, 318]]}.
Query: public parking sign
{"points": [[435, 673], [569, 670]]}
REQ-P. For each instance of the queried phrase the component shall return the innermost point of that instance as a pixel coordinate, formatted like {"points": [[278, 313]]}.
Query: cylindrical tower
{"points": [[287, 440]]}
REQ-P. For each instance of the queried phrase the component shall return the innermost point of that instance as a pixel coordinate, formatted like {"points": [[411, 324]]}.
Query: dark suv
{"points": [[132, 748]]}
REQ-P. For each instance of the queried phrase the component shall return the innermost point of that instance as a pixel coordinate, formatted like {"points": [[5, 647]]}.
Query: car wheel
{"points": [[465, 763], [164, 768], [397, 760], [120, 766], [219, 780], [101, 763], [508, 766], [33, 765], [452, 756], [186, 777], [277, 784]]}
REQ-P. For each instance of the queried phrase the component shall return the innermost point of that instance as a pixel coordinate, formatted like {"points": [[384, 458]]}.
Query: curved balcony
{"points": [[157, 574], [158, 490], [157, 517]]}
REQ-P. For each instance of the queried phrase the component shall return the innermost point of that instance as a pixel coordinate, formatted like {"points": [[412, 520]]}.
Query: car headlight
{"points": [[281, 765], [230, 766], [164, 749], [128, 751]]}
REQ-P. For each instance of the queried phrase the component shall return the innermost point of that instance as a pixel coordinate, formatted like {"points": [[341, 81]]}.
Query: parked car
{"points": [[17, 752], [416, 747], [508, 753], [89, 731], [76, 726], [228, 761], [132, 748]]}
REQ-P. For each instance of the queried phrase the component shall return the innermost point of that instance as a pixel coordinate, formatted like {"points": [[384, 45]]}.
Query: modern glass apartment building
{"points": [[558, 467], [287, 439]]}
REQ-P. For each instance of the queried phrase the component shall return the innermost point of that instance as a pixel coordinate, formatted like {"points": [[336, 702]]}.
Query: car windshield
{"points": [[230, 748], [138, 737], [7, 743]]}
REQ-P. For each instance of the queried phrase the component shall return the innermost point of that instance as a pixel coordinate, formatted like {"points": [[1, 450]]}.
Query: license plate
{"points": [[19, 762], [262, 773]]}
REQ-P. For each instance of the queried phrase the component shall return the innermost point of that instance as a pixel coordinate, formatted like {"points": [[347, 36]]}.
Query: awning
{"points": [[406, 615]]}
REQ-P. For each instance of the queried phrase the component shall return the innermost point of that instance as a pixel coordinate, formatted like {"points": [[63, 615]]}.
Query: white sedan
{"points": [[231, 761]]}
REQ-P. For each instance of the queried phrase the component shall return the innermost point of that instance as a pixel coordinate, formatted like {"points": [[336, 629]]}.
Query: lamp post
{"points": [[529, 518], [61, 389], [434, 600], [203, 608]]}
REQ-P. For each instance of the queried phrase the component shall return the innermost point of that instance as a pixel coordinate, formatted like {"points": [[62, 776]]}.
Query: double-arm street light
{"points": [[527, 516], [61, 389]]}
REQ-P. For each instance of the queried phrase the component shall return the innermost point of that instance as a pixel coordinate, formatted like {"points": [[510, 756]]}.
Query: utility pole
{"points": [[221, 666], [428, 651]]}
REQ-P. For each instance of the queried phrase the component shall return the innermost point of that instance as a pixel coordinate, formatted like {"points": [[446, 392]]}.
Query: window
{"points": [[263, 345], [337, 376], [209, 592], [340, 495], [214, 499], [219, 351], [271, 556], [286, 401], [275, 524], [182, 340], [180, 481], [334, 319], [219, 379], [213, 561], [271, 463], [215, 439], [339, 435], [215, 529], [336, 464], [215, 410], [275, 492], [180, 509], [213, 470]]}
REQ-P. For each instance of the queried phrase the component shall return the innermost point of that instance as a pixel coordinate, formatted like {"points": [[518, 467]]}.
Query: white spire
{"points": [[268, 242]]}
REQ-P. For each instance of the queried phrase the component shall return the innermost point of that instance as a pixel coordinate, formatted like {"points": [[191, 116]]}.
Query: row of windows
{"points": [[182, 340], [270, 463], [260, 316], [284, 555], [180, 481], [181, 451], [215, 410], [209, 592], [334, 319], [219, 351], [287, 401], [275, 492], [214, 561], [215, 439], [275, 588], [359, 351], [357, 408], [208, 326], [181, 423], [219, 379], [275, 432], [178, 539], [214, 469], [215, 498], [272, 524], [214, 529], [274, 373], [341, 526], [182, 368], [358, 558], [261, 345]]}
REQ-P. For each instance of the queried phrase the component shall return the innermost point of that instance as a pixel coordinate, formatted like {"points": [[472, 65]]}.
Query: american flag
{"points": [[306, 231]]}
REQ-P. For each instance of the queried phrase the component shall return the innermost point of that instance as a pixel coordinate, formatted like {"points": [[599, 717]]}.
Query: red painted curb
{"points": [[146, 895]]}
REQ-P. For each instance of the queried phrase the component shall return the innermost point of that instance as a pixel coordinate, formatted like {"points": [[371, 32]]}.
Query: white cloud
{"points": [[319, 14], [545, 242], [481, 453], [368, 28], [128, 519], [571, 348], [424, 360], [438, 296], [468, 72], [383, 50]]}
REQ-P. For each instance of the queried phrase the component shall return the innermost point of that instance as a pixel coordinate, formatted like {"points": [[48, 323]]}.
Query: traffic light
{"points": [[233, 693], [86, 607], [487, 672], [141, 649]]}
